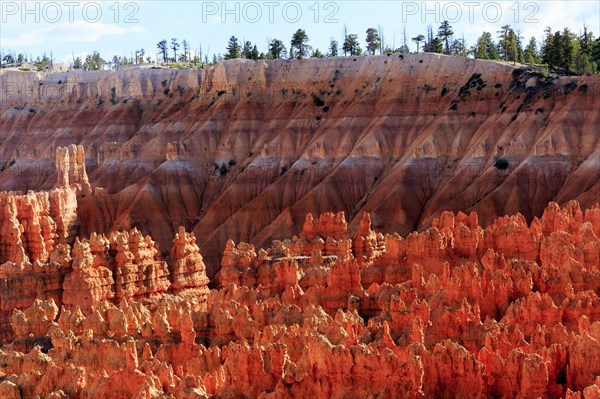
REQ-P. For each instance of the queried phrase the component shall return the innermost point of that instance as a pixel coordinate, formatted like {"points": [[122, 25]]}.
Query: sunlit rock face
{"points": [[245, 149], [412, 227], [455, 311]]}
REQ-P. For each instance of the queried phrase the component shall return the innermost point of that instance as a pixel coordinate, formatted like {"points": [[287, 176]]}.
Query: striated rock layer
{"points": [[511, 310], [244, 150]]}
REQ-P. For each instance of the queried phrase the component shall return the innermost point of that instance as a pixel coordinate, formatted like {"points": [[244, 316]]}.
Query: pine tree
{"points": [[504, 44], [547, 48], [254, 54], [298, 46], [373, 40], [233, 49], [174, 47], [511, 46], [445, 32], [333, 48], [116, 62], [428, 48], [437, 45], [567, 50], [459, 48], [531, 52], [162, 46], [247, 49], [595, 52], [480, 48], [519, 44], [186, 50], [586, 41], [418, 39], [583, 65], [551, 50], [351, 45], [92, 62], [277, 50]]}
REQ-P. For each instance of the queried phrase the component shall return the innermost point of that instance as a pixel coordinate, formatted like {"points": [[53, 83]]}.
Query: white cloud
{"points": [[77, 31]]}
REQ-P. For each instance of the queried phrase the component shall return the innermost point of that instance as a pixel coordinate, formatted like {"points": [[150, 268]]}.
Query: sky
{"points": [[75, 28]]}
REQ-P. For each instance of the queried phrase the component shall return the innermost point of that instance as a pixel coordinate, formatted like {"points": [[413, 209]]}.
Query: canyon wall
{"points": [[245, 149], [457, 311]]}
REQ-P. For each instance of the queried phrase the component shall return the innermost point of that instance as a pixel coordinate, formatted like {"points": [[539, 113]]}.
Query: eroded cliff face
{"points": [[510, 310], [246, 149]]}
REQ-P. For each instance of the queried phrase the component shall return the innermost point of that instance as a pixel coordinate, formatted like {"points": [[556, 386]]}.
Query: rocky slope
{"points": [[457, 311], [246, 149]]}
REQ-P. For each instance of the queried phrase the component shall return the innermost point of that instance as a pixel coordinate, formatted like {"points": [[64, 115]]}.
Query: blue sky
{"points": [[120, 27]]}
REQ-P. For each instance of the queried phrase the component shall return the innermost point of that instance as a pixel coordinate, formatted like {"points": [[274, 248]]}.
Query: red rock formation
{"points": [[32, 224], [327, 225], [35, 229], [36, 319], [187, 267], [508, 308], [89, 281], [36, 222], [70, 168], [367, 244], [11, 244], [169, 150], [474, 318], [138, 272]]}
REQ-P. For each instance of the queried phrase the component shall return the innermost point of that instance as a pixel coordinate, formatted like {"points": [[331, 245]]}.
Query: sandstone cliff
{"points": [[246, 149]]}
